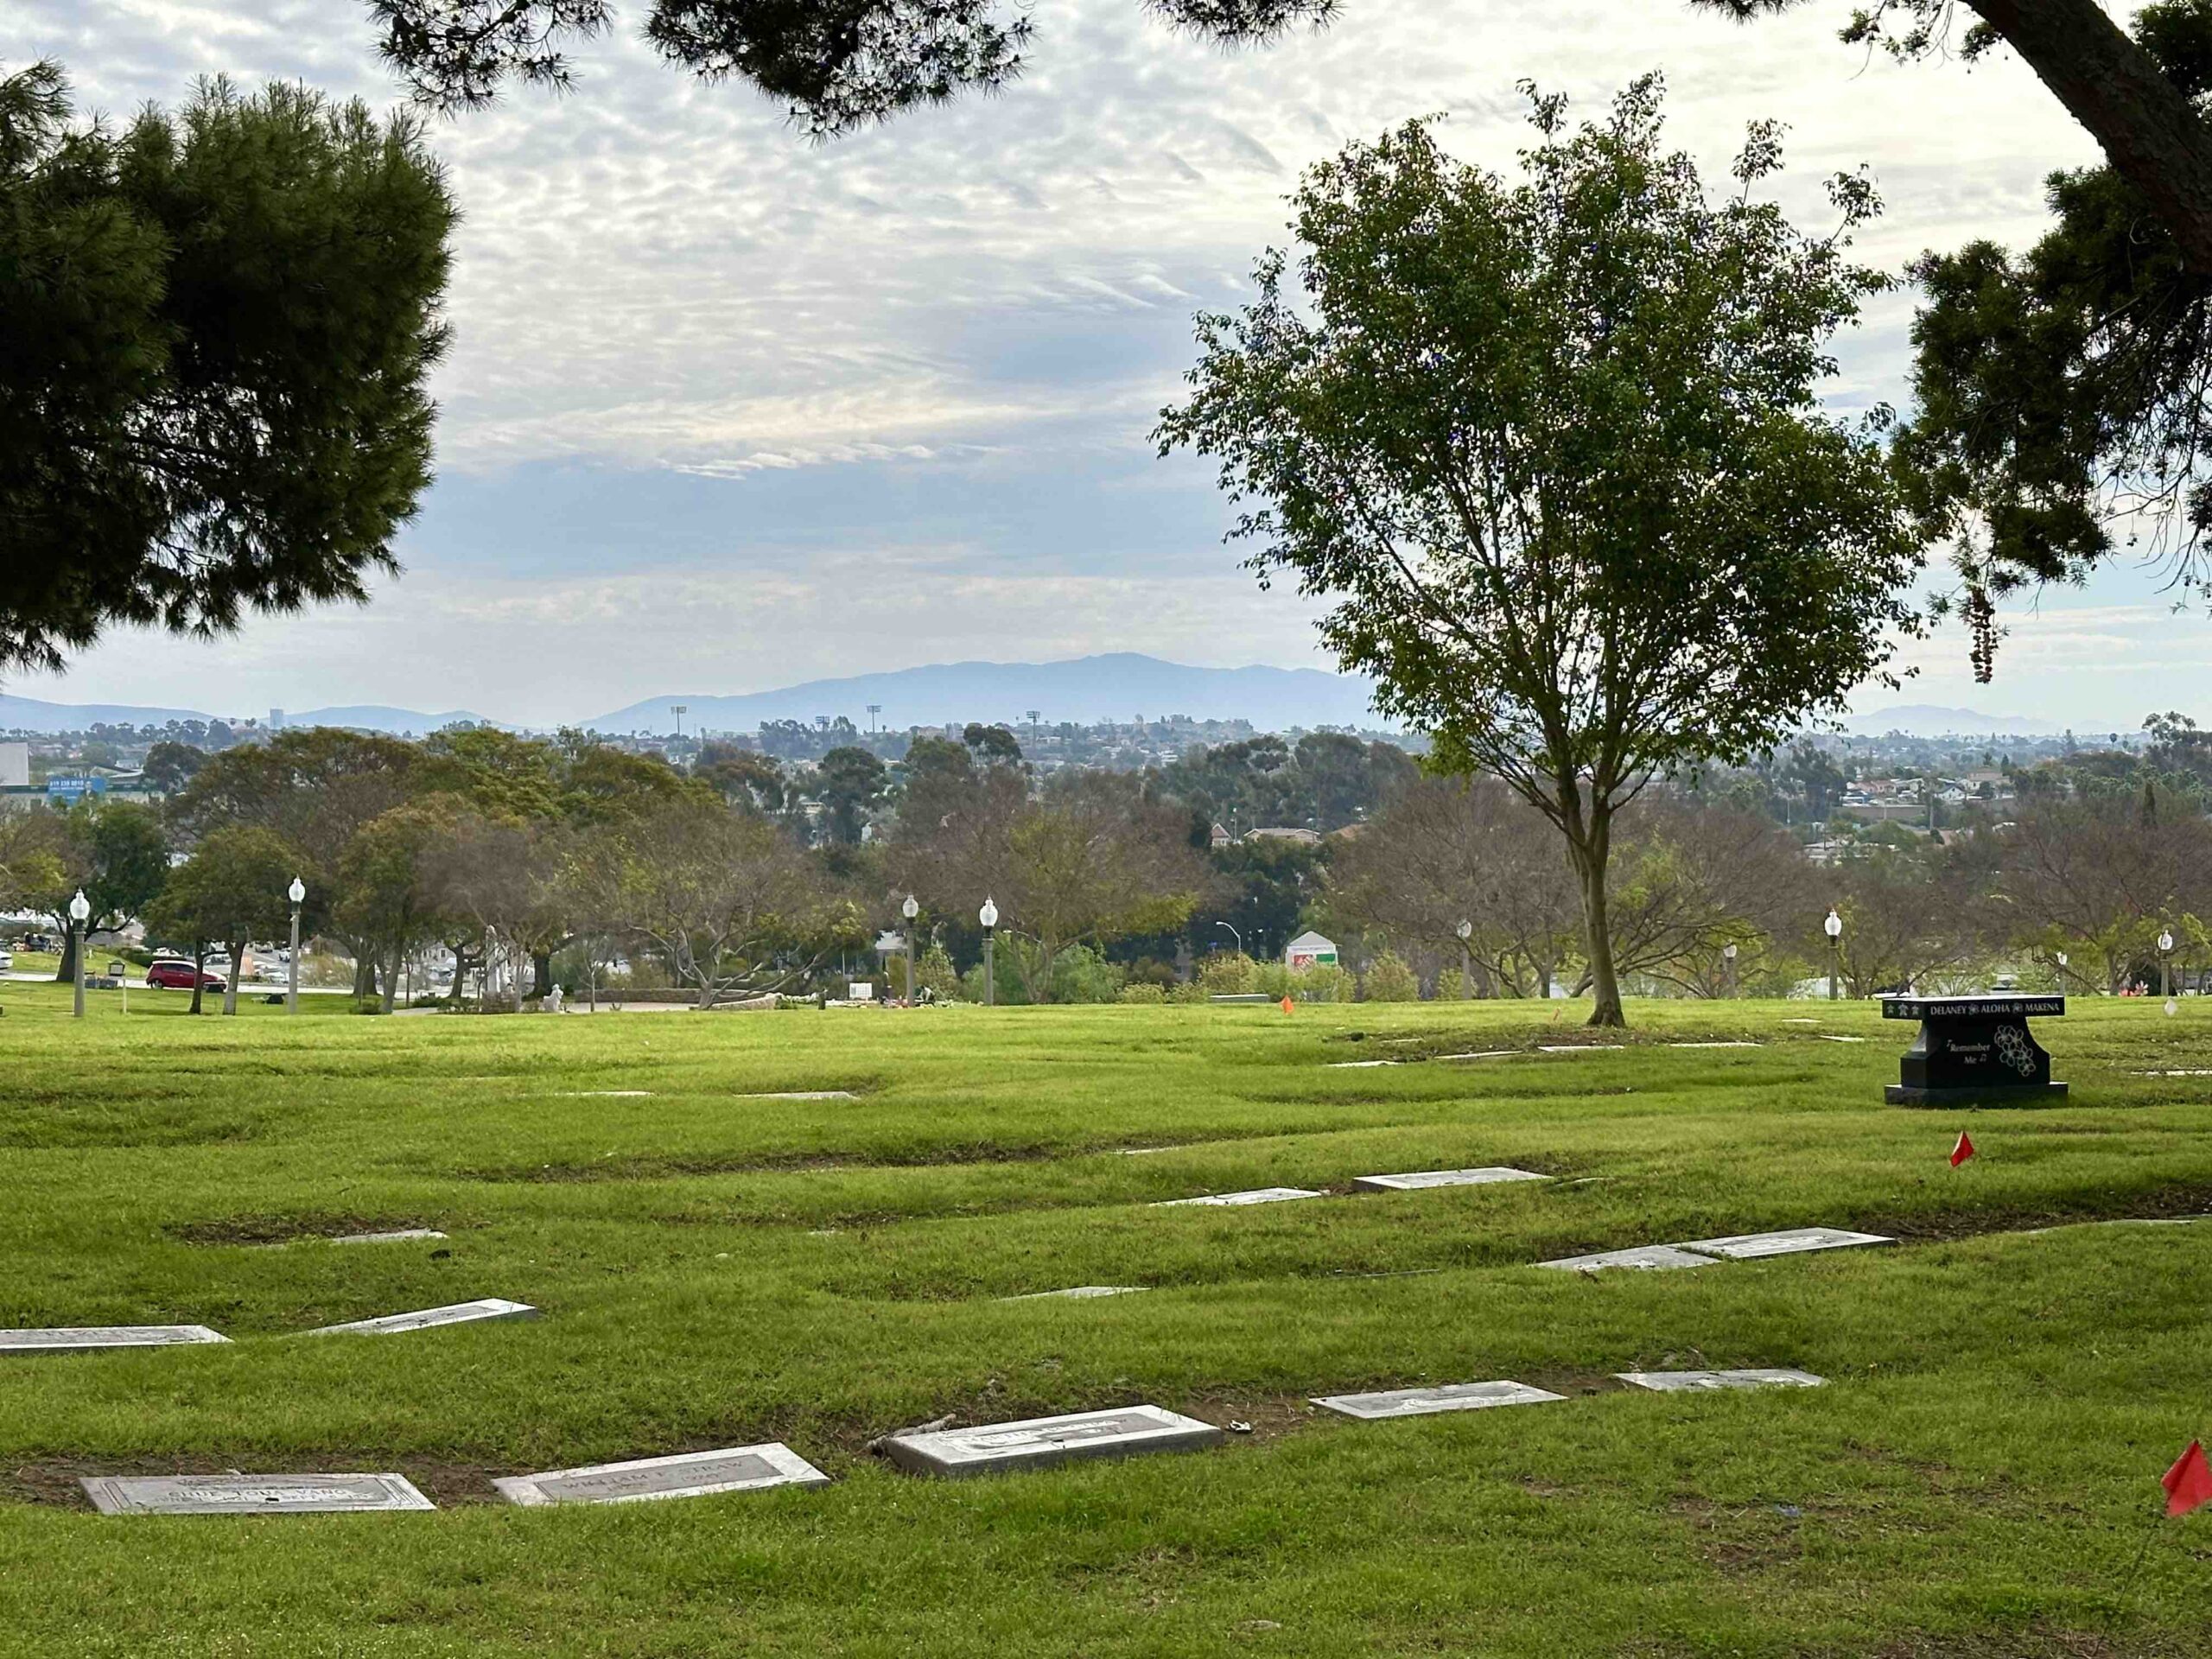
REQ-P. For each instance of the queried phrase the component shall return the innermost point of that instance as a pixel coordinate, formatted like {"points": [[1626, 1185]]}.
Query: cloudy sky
{"points": [[728, 411]]}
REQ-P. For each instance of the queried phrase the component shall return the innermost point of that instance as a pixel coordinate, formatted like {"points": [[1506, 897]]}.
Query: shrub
{"points": [[1231, 975], [1389, 979], [1149, 995], [934, 973]]}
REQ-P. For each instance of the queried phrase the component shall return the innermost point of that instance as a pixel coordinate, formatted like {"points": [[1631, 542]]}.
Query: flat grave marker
{"points": [[1450, 1397], [427, 1318], [1122, 1432], [1481, 1054], [1831, 1036], [1258, 1195], [1355, 1065], [1077, 1293], [1420, 1180], [803, 1093], [250, 1494], [1648, 1256], [1577, 1048], [403, 1234], [1707, 1381], [688, 1474], [1735, 1045], [86, 1338], [1751, 1247], [608, 1094]]}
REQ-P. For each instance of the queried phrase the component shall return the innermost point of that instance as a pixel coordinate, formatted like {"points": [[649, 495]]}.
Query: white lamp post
{"points": [[1466, 932], [988, 916], [1728, 972], [2165, 963], [297, 892], [911, 909], [1833, 928], [80, 910]]}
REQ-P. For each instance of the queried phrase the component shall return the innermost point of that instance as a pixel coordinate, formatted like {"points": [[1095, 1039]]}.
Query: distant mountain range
{"points": [[1925, 720], [1086, 689]]}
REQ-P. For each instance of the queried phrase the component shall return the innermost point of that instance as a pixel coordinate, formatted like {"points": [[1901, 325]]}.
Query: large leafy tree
{"points": [[1553, 450], [215, 328], [231, 891]]}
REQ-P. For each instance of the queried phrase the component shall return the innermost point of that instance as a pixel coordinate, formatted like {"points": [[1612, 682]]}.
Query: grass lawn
{"points": [[715, 1270]]}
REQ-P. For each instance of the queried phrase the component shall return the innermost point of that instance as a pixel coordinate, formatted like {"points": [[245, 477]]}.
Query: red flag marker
{"points": [[1288, 1004], [1963, 1151], [2189, 1483]]}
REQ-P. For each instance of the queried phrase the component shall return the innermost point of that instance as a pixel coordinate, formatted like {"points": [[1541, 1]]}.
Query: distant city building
{"points": [[1303, 837], [1310, 951], [276, 720], [14, 766]]}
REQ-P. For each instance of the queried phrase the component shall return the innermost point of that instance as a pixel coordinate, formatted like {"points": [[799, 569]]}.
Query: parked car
{"points": [[7, 960], [178, 976]]}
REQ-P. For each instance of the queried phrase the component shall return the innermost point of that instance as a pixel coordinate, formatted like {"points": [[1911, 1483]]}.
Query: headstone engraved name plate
{"points": [[1450, 1396], [250, 1494], [1121, 1433], [1971, 1048], [1258, 1195], [1648, 1256], [1427, 1177], [688, 1474], [86, 1337], [488, 1307], [1750, 1246], [1707, 1382]]}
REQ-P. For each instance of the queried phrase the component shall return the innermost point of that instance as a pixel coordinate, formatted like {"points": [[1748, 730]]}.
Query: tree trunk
{"points": [[67, 971], [237, 948], [392, 980], [2150, 134], [364, 970], [541, 982], [199, 971], [1590, 855]]}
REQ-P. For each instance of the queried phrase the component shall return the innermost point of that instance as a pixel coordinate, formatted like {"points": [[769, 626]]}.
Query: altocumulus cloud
{"points": [[725, 409]]}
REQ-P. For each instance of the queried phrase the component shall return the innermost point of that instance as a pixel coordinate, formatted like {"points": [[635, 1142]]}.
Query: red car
{"points": [[177, 977]]}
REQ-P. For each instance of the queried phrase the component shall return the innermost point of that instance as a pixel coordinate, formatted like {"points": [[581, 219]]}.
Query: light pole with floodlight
{"points": [[80, 910], [1234, 934], [2166, 962], [298, 893], [988, 916], [1833, 928], [1728, 970], [911, 909]]}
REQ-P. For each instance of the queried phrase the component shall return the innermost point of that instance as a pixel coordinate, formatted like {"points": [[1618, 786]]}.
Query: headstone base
{"points": [[2004, 1094]]}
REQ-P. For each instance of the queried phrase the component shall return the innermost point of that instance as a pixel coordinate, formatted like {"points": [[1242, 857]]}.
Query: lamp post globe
{"points": [[988, 916], [1466, 932], [297, 892], [2166, 962], [1728, 968], [1833, 928], [80, 912], [911, 909]]}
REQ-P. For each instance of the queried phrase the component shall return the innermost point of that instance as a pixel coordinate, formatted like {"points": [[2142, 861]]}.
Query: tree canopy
{"points": [[220, 324], [1553, 451]]}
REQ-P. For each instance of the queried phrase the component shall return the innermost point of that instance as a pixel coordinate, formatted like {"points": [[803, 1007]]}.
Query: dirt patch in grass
{"points": [[286, 1229], [2189, 1199]]}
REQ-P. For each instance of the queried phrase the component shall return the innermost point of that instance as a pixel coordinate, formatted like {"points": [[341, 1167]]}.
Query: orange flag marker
{"points": [[2189, 1483], [1288, 1004], [1963, 1151]]}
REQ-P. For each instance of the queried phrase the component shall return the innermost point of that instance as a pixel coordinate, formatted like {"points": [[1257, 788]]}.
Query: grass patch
{"points": [[715, 1270]]}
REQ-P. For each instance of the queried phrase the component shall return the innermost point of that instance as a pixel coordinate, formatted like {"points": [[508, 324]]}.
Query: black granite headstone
{"points": [[1971, 1048]]}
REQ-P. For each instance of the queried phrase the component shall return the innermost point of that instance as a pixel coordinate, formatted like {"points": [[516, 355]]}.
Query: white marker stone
{"points": [[1121, 1433], [1750, 1246], [1357, 1065], [66, 1338], [1702, 1382], [1830, 1037], [608, 1094], [1653, 1256], [1713, 1044], [489, 1307], [1451, 1397], [1080, 1293], [804, 1093], [388, 1238], [1258, 1195], [688, 1474], [1482, 1054], [1427, 1177], [1576, 1048], [250, 1494]]}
